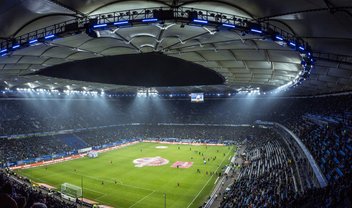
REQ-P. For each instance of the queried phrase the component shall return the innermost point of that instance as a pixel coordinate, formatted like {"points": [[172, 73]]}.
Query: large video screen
{"points": [[197, 97]]}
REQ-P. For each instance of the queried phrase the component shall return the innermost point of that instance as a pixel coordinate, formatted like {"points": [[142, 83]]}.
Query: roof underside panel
{"points": [[243, 60]]}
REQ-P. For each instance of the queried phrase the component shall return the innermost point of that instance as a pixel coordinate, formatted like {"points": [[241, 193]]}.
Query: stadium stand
{"points": [[72, 141], [277, 173], [269, 81], [24, 195]]}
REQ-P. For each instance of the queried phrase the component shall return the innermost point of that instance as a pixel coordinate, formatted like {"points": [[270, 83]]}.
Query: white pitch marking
{"points": [[91, 190], [206, 183], [141, 199], [120, 182], [216, 180]]}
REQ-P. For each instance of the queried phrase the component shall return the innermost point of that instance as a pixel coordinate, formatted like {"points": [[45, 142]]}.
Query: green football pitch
{"points": [[112, 178]]}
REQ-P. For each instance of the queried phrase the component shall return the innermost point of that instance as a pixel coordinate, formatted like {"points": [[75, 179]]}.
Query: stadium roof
{"points": [[244, 60]]}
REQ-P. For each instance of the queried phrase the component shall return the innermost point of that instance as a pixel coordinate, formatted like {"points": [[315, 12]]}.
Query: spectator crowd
{"points": [[276, 173]]}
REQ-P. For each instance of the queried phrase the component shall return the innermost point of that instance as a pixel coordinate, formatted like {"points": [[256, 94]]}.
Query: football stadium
{"points": [[175, 104]]}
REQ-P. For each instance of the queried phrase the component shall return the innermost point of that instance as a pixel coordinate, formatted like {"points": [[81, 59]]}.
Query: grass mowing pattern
{"points": [[128, 186]]}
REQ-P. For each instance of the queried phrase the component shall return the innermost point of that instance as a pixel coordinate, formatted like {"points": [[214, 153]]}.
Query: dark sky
{"points": [[149, 69]]}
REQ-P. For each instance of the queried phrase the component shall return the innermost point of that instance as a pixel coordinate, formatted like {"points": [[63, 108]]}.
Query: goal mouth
{"points": [[71, 190]]}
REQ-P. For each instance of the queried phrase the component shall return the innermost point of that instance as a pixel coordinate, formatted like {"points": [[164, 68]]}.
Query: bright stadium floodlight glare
{"points": [[200, 21], [150, 20], [99, 25], [152, 92], [142, 93], [49, 37]]}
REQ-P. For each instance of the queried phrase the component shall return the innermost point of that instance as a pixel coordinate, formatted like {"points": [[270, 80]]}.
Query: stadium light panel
{"points": [[292, 44], [229, 25], [301, 48], [279, 38], [3, 51], [121, 23], [150, 20], [256, 31], [48, 37], [15, 46], [100, 25], [200, 21], [33, 41]]}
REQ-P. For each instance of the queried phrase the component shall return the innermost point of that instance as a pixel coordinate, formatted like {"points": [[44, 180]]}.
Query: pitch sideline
{"points": [[208, 181], [141, 199]]}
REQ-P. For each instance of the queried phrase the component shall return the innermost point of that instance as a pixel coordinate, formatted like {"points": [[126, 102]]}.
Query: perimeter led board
{"points": [[197, 97]]}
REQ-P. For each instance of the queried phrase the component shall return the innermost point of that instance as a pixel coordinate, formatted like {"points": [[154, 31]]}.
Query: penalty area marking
{"points": [[111, 180], [207, 181], [91, 190], [104, 195], [142, 199], [120, 182]]}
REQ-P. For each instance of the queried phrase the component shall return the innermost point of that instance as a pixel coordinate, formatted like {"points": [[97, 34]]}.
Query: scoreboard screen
{"points": [[197, 97]]}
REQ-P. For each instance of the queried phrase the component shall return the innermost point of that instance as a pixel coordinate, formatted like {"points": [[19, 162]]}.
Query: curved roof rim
{"points": [[305, 11], [219, 2], [283, 23], [39, 18], [120, 1]]}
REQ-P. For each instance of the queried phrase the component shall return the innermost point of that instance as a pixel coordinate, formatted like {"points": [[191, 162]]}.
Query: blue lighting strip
{"points": [[121, 23], [150, 20], [33, 41], [301, 48], [200, 21], [3, 51], [49, 36], [279, 38], [228, 25], [101, 25], [292, 44], [256, 31], [15, 46], [4, 54]]}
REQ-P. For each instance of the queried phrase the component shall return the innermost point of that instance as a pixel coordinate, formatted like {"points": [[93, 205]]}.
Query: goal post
{"points": [[71, 190], [92, 154]]}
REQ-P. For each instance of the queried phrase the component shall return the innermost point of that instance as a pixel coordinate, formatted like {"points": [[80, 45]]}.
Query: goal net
{"points": [[92, 154], [71, 190]]}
